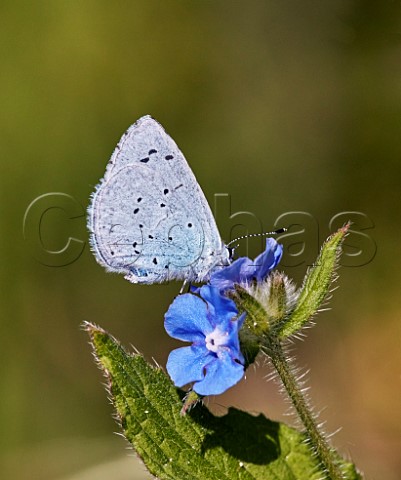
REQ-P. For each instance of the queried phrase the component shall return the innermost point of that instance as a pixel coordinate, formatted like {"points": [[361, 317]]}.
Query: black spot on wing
{"points": [[146, 159]]}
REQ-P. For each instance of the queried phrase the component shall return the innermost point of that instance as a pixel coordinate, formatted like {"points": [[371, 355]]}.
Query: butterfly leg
{"points": [[186, 285]]}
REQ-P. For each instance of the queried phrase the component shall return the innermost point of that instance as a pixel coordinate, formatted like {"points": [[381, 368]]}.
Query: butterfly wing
{"points": [[148, 218]]}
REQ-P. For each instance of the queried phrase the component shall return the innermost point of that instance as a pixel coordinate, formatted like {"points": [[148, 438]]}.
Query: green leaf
{"points": [[316, 286], [196, 446]]}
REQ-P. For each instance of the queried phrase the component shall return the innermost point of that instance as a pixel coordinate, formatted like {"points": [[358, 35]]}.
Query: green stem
{"points": [[317, 441]]}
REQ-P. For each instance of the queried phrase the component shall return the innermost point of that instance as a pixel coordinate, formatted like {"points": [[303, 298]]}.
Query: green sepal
{"points": [[189, 401], [277, 299], [316, 286], [250, 345], [255, 325], [197, 446], [256, 316]]}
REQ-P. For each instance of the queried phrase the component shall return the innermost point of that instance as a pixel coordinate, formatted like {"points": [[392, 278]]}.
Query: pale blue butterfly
{"points": [[148, 217]]}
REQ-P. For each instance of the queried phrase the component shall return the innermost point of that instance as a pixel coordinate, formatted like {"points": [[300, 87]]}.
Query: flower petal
{"points": [[221, 373], [244, 269], [221, 309], [187, 319], [268, 260], [186, 364], [241, 320], [233, 340], [227, 276]]}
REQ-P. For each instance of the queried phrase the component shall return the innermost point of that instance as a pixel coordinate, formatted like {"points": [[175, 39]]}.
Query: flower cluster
{"points": [[210, 321]]}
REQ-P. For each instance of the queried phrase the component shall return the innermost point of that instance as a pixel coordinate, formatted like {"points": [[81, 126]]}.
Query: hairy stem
{"points": [[317, 441]]}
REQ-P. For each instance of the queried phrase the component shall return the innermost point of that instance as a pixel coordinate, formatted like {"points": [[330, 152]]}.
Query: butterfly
{"points": [[148, 217]]}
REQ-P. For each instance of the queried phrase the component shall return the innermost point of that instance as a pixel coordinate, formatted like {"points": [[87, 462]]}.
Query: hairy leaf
{"points": [[198, 445]]}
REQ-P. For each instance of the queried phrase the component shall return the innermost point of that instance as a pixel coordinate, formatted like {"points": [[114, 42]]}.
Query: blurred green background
{"points": [[286, 106]]}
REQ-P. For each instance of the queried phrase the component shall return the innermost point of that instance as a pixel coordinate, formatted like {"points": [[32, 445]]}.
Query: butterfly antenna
{"points": [[264, 234]]}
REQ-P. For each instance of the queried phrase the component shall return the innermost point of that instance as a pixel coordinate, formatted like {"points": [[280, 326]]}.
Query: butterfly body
{"points": [[148, 217]]}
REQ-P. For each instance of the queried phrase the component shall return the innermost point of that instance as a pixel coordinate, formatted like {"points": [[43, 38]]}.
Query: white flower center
{"points": [[216, 340]]}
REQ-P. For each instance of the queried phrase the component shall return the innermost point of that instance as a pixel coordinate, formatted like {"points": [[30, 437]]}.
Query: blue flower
{"points": [[244, 270], [214, 361]]}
